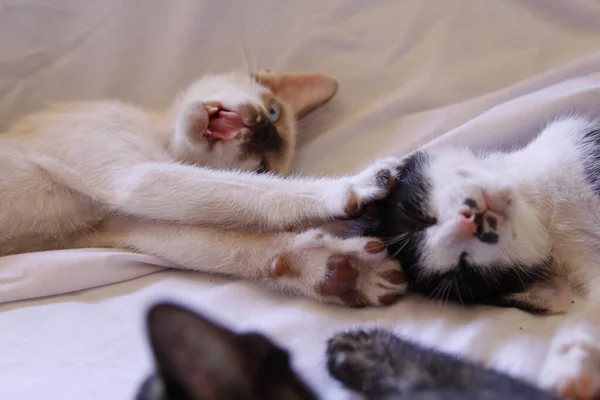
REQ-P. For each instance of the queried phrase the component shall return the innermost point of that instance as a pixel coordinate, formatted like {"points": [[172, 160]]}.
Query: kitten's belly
{"points": [[47, 223]]}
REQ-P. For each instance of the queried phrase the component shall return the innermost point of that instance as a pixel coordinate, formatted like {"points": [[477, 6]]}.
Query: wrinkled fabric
{"points": [[412, 73]]}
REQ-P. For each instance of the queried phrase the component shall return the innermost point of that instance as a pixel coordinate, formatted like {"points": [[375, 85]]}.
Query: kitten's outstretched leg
{"points": [[355, 272], [188, 194], [572, 366], [383, 366]]}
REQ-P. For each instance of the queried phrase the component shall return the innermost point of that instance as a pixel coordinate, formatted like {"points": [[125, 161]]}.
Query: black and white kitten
{"points": [[196, 359], [520, 227]]}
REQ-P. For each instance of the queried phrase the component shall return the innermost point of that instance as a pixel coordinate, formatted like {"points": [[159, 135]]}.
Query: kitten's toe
{"points": [[357, 358], [573, 371], [380, 177], [347, 360], [363, 276], [373, 183], [382, 285], [381, 280]]}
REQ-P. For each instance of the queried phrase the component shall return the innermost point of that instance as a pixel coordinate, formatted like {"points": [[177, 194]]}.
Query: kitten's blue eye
{"points": [[274, 111]]}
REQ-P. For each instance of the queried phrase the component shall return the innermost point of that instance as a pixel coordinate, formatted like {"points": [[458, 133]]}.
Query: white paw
{"points": [[573, 371], [355, 272], [373, 183]]}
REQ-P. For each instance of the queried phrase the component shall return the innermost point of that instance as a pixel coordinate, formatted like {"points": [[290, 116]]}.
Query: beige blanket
{"points": [[480, 73]]}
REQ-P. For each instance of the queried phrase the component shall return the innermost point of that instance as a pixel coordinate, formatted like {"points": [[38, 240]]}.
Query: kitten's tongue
{"points": [[226, 125]]}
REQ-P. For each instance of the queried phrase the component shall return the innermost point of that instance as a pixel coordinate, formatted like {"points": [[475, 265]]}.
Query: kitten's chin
{"points": [[200, 150]]}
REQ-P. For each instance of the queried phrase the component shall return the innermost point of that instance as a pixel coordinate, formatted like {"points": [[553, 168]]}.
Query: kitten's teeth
{"points": [[211, 110]]}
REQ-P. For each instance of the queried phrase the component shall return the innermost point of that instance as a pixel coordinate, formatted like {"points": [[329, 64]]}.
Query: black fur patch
{"points": [[492, 222], [488, 237], [592, 161], [469, 202], [264, 137], [404, 213], [383, 178], [468, 283]]}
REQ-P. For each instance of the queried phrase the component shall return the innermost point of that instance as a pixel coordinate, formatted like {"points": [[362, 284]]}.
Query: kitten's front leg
{"points": [[354, 272], [382, 365], [190, 194]]}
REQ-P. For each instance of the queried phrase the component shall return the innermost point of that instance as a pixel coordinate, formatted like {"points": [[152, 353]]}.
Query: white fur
{"points": [[547, 208], [457, 174], [109, 174]]}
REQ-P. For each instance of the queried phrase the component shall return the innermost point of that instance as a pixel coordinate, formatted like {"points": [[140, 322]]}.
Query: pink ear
{"points": [[302, 92]]}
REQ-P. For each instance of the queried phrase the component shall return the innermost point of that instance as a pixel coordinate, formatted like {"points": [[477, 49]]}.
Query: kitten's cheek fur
{"points": [[192, 123]]}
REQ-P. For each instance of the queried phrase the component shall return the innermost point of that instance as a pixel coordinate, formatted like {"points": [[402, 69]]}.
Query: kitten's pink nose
{"points": [[468, 224]]}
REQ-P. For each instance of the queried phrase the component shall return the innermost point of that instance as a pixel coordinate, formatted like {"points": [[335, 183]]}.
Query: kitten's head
{"points": [[245, 122], [461, 230], [197, 359]]}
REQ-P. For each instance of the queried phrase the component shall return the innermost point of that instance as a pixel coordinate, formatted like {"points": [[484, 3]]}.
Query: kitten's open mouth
{"points": [[223, 124]]}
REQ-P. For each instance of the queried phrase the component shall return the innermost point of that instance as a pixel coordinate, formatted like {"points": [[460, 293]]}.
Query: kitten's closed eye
{"points": [[408, 209], [416, 221], [408, 199]]}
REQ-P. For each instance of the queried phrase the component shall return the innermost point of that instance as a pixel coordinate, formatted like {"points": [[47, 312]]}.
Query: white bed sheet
{"points": [[485, 74]]}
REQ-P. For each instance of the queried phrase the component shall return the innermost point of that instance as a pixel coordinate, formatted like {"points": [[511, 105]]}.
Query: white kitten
{"points": [[519, 228], [109, 174]]}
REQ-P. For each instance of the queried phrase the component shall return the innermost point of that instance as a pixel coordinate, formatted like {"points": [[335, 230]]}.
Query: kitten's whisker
{"points": [[471, 291], [447, 292], [436, 291], [443, 293], [395, 240], [245, 64], [399, 250], [255, 62], [392, 237], [460, 299]]}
